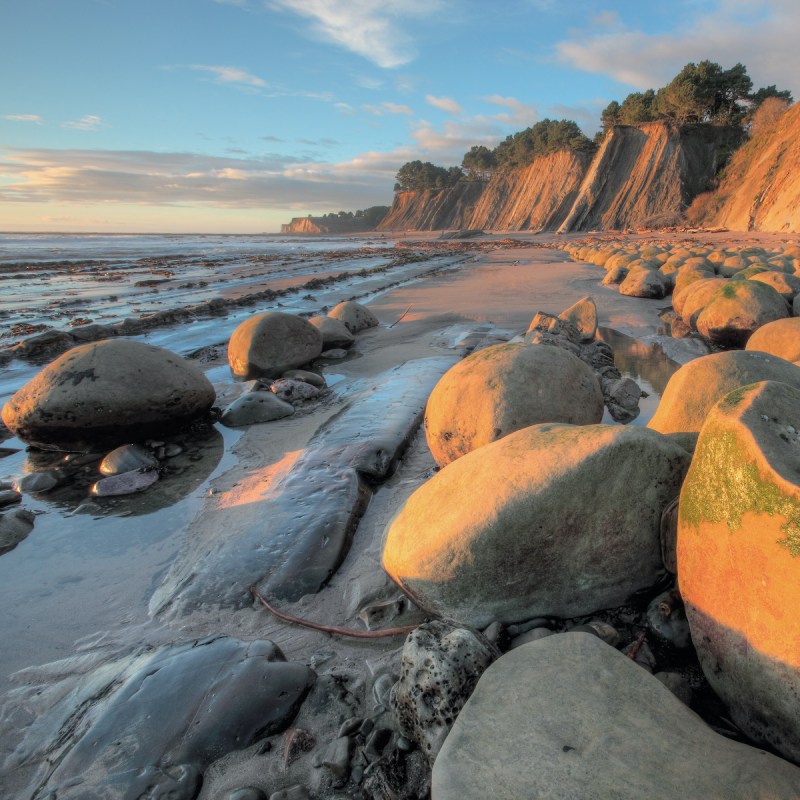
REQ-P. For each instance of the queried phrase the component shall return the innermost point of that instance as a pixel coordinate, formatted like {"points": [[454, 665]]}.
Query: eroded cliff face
{"points": [[646, 175], [302, 225], [761, 188], [433, 209]]}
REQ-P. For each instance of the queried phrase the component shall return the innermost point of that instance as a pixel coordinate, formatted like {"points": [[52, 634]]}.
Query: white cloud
{"points": [[369, 28], [386, 108], [446, 104], [761, 35], [231, 75], [90, 122], [519, 114], [24, 118]]}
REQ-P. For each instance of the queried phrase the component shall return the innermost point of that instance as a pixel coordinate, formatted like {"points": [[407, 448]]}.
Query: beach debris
{"points": [[266, 345], [108, 392], [401, 317]]}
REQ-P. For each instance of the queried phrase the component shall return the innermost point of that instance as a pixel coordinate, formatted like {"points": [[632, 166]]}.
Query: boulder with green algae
{"points": [[694, 389], [787, 286], [739, 559], [680, 297], [737, 309], [553, 520], [501, 389]]}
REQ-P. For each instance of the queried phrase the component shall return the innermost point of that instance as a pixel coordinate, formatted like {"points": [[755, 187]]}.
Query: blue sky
{"points": [[235, 115]]}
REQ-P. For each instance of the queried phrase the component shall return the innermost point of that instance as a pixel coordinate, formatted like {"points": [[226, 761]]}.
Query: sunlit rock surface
{"points": [[739, 558], [780, 338]]}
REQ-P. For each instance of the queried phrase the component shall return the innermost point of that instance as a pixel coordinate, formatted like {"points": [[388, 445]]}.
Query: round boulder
{"points": [[334, 332], [739, 559], [737, 309], [643, 282], [780, 338], [504, 388], [553, 520], [267, 345], [355, 316], [106, 393], [583, 315], [696, 386]]}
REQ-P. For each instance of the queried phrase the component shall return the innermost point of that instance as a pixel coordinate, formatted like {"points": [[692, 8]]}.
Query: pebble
{"points": [[307, 376], [246, 793], [524, 627], [87, 508], [82, 459], [608, 633], [644, 656], [37, 482], [666, 618], [374, 615], [127, 458], [531, 636], [14, 527], [8, 497], [337, 757], [296, 792], [293, 391], [494, 632], [334, 354], [376, 743], [172, 450], [125, 483], [350, 726], [382, 687]]}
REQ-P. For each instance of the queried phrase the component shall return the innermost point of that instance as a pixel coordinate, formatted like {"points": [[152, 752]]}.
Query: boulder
{"points": [[334, 332], [681, 294], [504, 388], [696, 386], [440, 665], [643, 282], [267, 345], [739, 559], [695, 297], [780, 338], [787, 286], [107, 393], [737, 309], [355, 316], [583, 315], [508, 532], [570, 717]]}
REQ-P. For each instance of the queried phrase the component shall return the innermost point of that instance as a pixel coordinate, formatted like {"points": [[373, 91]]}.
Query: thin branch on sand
{"points": [[400, 317], [316, 626]]}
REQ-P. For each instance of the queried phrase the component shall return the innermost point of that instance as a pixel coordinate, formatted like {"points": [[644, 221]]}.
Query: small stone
{"points": [[296, 792], [530, 636], [88, 508], [172, 450], [608, 633], [666, 618], [125, 483], [334, 354], [495, 632], [404, 744], [374, 615], [366, 728], [14, 527], [644, 655], [8, 497], [35, 482], [246, 793], [82, 459], [305, 375], [293, 391], [255, 407], [350, 726], [337, 757], [376, 743], [382, 687], [127, 458]]}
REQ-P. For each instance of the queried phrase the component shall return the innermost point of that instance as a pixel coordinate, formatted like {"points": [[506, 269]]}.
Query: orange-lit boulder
{"points": [[781, 338], [739, 559], [644, 282], [737, 309], [696, 386], [504, 388], [787, 286], [267, 345], [355, 316], [551, 520], [680, 297], [108, 392], [583, 315]]}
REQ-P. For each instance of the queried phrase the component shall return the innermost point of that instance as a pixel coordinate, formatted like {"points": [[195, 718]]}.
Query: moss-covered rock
{"points": [[781, 338], [739, 558]]}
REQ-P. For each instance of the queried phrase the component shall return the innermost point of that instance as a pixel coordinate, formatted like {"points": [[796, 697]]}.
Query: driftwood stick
{"points": [[316, 626], [637, 646], [400, 317]]}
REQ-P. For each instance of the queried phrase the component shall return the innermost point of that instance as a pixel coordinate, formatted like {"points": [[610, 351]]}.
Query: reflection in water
{"points": [[647, 364]]}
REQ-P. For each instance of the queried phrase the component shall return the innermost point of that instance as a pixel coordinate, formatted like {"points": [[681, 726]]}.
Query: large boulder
{"points": [[553, 520], [267, 345], [696, 386], [355, 316], [739, 559], [780, 338], [504, 388], [107, 393], [644, 282], [691, 298], [737, 309], [583, 315], [787, 286], [570, 717]]}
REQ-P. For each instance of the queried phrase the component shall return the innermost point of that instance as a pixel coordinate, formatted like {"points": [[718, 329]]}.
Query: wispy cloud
{"points": [[231, 75], [35, 118], [370, 28], [446, 104], [89, 122], [381, 109], [762, 35], [519, 114]]}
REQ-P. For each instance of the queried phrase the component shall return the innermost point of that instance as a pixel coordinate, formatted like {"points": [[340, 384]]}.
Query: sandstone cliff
{"points": [[433, 209], [647, 174], [761, 188], [302, 225]]}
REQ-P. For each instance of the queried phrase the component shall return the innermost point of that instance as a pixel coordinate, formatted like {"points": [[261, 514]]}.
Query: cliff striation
{"points": [[433, 209], [761, 187], [647, 174]]}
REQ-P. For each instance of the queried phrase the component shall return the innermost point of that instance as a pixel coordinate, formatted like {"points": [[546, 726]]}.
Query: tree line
{"points": [[703, 93]]}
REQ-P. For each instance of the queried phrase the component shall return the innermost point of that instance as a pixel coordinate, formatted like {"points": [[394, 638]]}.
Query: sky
{"points": [[232, 116]]}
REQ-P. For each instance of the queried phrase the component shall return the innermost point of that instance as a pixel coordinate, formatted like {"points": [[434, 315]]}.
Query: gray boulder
{"points": [[108, 392], [334, 332], [255, 407], [440, 666], [570, 717], [509, 532], [269, 344], [355, 316]]}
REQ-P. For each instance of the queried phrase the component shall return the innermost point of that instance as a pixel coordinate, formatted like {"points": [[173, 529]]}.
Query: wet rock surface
{"points": [[304, 542], [355, 316], [154, 722], [255, 407], [588, 723]]}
